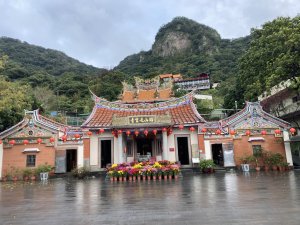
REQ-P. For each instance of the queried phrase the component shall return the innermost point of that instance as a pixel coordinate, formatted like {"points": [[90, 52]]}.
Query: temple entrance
{"points": [[144, 146], [71, 159], [183, 150], [217, 154], [105, 153]]}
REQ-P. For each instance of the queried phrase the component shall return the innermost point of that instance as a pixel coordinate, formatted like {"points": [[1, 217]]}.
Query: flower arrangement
{"points": [[150, 169]]}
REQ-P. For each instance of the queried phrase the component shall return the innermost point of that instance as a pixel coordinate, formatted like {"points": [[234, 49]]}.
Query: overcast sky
{"points": [[103, 32]]}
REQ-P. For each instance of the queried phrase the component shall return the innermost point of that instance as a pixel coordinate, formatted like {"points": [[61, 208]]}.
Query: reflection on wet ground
{"points": [[221, 198]]}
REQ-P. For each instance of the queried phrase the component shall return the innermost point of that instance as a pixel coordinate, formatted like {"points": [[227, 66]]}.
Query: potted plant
{"points": [[80, 172], [266, 156], [27, 172], [276, 158], [43, 170], [207, 165]]}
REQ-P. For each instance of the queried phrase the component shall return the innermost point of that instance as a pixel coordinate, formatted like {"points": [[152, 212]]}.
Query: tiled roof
{"points": [[146, 94], [181, 110], [165, 93], [128, 96]]}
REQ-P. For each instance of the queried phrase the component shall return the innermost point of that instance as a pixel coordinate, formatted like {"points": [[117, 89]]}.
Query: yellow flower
{"points": [[114, 165]]}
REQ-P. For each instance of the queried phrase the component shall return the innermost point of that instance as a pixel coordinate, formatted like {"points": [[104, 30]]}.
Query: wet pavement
{"points": [[221, 198]]}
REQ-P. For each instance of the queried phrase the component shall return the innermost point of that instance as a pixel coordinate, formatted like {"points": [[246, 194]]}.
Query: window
{"points": [[129, 148], [257, 150], [30, 161]]}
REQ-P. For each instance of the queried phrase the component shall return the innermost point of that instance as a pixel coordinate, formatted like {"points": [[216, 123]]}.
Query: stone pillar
{"points": [[287, 147], [80, 156], [207, 147], [1, 159], [165, 145], [120, 148]]}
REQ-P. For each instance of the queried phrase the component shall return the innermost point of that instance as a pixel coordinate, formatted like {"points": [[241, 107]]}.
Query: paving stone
{"points": [[221, 198]]}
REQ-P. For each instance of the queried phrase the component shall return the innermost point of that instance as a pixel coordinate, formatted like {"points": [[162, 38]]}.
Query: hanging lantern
{"points": [[12, 142], [39, 140], [77, 136], [64, 138], [101, 131], [277, 131], [154, 132], [248, 133], [181, 127], [293, 130], [204, 130], [170, 131], [89, 133], [25, 142], [128, 133], [119, 132], [146, 132], [192, 129], [136, 133], [263, 132], [164, 129], [232, 132], [51, 139], [1, 141], [218, 132]]}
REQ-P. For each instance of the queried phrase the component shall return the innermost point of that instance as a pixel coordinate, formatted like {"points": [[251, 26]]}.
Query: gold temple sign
{"points": [[141, 119]]}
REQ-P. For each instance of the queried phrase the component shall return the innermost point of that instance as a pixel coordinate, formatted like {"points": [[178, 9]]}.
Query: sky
{"points": [[104, 32]]}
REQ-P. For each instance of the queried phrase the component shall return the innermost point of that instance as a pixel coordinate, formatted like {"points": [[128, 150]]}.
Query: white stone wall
{"points": [[1, 159]]}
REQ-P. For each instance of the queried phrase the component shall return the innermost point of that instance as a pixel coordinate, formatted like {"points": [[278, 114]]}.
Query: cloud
{"points": [[104, 32]]}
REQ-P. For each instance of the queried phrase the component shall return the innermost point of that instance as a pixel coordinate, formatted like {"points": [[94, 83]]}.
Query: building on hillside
{"points": [[149, 129], [170, 77], [201, 82], [284, 102]]}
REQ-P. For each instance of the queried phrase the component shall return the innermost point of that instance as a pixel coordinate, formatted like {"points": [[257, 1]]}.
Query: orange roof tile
{"points": [[165, 93], [128, 96], [182, 112], [146, 94]]}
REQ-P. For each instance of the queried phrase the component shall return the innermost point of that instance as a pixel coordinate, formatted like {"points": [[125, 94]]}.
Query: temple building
{"points": [[146, 124]]}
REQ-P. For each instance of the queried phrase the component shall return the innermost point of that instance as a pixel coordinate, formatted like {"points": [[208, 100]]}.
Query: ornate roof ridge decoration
{"points": [[251, 110], [34, 118], [137, 107], [146, 84]]}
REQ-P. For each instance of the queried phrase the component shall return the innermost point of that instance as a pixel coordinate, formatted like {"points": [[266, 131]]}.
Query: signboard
{"points": [[228, 154], [141, 119], [171, 149]]}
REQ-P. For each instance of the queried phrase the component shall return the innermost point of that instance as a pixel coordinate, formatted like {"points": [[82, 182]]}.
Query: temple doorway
{"points": [[183, 150], [217, 154], [105, 153], [144, 146], [71, 159]]}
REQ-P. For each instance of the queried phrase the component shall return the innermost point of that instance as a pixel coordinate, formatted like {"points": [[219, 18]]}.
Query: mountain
{"points": [[187, 47]]}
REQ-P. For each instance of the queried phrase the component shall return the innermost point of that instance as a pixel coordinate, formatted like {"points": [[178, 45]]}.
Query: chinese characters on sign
{"points": [[141, 119]]}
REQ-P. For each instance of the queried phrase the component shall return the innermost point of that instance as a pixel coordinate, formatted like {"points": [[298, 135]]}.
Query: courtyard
{"points": [[220, 198]]}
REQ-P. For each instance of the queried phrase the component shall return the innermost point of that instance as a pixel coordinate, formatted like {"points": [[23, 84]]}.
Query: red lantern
{"points": [[89, 133], [25, 142], [204, 130], [164, 129], [136, 133], [39, 140], [51, 139], [101, 131], [180, 127], [293, 130], [119, 132], [192, 129], [170, 131], [77, 136], [218, 132], [64, 138], [128, 133], [248, 133], [12, 142], [277, 131], [146, 132], [1, 142], [263, 132], [232, 132], [154, 132]]}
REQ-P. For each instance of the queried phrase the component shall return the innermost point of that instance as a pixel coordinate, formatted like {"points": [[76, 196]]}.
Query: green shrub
{"points": [[80, 172]]}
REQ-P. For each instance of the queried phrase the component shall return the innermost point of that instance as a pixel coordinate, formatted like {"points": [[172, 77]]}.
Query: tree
{"points": [[273, 57], [14, 99]]}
